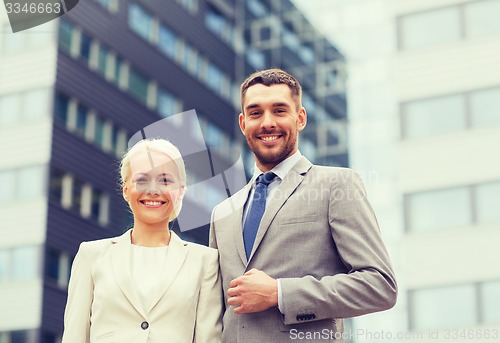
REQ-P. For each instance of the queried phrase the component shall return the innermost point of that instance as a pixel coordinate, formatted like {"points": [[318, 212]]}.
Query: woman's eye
{"points": [[141, 180], [166, 180]]}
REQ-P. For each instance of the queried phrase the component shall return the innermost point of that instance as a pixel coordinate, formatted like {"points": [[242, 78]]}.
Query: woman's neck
{"points": [[150, 235]]}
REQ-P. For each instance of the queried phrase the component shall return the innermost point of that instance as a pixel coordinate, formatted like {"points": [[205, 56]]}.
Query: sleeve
{"points": [[80, 296], [208, 327], [369, 284], [212, 241]]}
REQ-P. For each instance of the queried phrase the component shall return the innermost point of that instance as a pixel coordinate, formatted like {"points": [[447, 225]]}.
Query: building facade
{"points": [[424, 127], [74, 91]]}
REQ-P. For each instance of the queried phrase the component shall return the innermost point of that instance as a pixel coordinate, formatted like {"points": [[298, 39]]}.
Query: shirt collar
{"points": [[282, 168]]}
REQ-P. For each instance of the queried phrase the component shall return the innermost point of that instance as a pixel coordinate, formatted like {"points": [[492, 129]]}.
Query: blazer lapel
{"points": [[288, 185], [120, 260], [177, 252]]}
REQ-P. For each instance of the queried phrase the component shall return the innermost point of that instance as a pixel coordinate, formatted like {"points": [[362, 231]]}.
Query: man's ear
{"points": [[302, 119], [242, 123]]}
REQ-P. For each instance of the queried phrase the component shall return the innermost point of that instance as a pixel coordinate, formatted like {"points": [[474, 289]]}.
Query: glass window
{"points": [[118, 70], [433, 116], [110, 5], [56, 184], [256, 58], [485, 107], [430, 28], [138, 86], [140, 21], [4, 264], [443, 307], [219, 25], [99, 132], [190, 5], [77, 194], [10, 108], [19, 336], [257, 8], [167, 103], [488, 202], [482, 18], [12, 41], [65, 35], [490, 302], [114, 137], [81, 119], [213, 135], [25, 262], [191, 59], [95, 206], [102, 60], [61, 108], [30, 182], [167, 41], [36, 104], [214, 77], [8, 189], [52, 265], [437, 210], [85, 44]]}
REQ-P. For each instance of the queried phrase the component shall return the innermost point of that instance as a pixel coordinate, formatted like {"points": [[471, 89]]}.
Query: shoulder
{"points": [[202, 250], [97, 246], [333, 174]]}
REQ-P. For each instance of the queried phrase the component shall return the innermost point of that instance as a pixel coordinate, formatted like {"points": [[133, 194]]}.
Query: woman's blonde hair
{"points": [[160, 145]]}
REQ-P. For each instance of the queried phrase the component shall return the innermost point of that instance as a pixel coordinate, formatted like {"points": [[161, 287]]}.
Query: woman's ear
{"points": [[125, 191]]}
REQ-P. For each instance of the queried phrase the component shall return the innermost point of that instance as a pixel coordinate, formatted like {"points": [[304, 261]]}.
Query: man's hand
{"points": [[254, 291]]}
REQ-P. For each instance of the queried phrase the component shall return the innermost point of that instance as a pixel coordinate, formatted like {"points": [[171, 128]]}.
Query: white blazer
{"points": [[103, 305]]}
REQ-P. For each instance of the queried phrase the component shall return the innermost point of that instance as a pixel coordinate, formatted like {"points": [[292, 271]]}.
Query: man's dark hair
{"points": [[269, 77]]}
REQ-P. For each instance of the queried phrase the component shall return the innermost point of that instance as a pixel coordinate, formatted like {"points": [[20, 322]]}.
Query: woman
{"points": [[146, 285]]}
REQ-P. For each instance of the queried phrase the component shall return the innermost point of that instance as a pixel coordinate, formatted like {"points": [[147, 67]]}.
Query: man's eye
{"points": [[254, 113]]}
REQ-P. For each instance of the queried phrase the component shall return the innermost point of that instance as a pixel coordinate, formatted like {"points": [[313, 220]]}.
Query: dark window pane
{"points": [[85, 47], [81, 119], [138, 86], [52, 265], [61, 108], [65, 35]]}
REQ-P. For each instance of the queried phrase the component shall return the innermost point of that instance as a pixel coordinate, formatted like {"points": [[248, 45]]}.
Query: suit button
{"points": [[144, 325]]}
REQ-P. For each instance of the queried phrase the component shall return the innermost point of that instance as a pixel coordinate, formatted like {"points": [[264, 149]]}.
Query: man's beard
{"points": [[273, 158]]}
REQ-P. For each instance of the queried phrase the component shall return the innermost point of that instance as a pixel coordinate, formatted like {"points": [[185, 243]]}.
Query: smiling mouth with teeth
{"points": [[152, 203], [269, 139]]}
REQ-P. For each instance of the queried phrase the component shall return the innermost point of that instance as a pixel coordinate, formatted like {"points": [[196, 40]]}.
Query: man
{"points": [[316, 254]]}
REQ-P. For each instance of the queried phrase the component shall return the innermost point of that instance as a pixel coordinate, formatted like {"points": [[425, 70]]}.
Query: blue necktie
{"points": [[256, 211]]}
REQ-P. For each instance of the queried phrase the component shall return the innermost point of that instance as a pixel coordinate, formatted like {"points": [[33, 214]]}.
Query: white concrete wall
{"points": [[25, 143]]}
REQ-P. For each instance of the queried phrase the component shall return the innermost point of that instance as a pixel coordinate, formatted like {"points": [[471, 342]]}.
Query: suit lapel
{"points": [[177, 252], [285, 189], [238, 205], [120, 260]]}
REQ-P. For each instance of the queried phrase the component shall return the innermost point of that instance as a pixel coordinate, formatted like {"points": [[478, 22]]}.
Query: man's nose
{"points": [[268, 120]]}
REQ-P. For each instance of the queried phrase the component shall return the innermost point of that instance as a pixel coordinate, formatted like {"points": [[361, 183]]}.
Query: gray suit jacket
{"points": [[320, 237]]}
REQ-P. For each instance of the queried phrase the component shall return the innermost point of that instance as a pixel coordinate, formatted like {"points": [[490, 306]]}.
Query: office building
{"points": [[74, 91], [423, 92]]}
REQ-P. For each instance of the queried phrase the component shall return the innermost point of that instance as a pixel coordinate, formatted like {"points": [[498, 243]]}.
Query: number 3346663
{"points": [[33, 8]]}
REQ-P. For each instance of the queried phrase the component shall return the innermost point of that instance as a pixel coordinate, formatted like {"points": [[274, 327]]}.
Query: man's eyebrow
{"points": [[280, 104], [251, 106]]}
